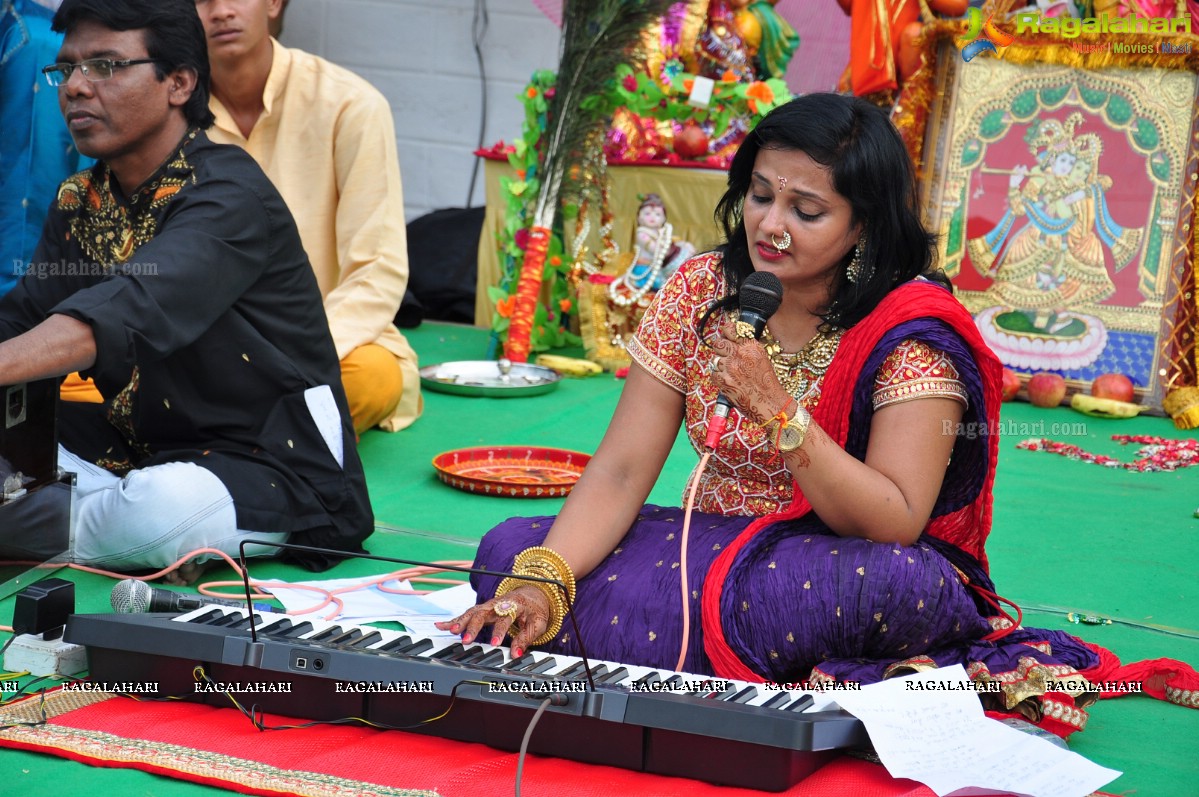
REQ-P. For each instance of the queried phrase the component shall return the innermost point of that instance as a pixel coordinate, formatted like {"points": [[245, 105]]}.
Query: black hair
{"points": [[869, 167], [174, 35]]}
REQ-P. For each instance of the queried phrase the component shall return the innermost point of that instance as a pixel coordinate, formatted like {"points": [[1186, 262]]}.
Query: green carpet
{"points": [[1067, 535]]}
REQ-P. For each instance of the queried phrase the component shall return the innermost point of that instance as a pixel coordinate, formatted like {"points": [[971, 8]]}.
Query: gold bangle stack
{"points": [[541, 562]]}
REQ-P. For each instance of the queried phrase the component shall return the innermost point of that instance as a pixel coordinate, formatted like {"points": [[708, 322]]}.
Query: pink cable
{"points": [[178, 563], [411, 573], [415, 574], [703, 463]]}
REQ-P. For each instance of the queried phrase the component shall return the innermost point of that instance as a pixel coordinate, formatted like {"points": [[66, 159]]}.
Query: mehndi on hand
{"points": [[522, 613]]}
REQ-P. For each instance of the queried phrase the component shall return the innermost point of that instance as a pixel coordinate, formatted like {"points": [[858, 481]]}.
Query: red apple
{"points": [[1011, 384], [691, 142], [1046, 390], [1113, 386]]}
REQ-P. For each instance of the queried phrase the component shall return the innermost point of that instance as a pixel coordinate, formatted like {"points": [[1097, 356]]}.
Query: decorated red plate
{"points": [[512, 471]]}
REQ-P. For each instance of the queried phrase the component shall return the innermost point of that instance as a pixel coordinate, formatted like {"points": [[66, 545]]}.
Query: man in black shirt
{"points": [[172, 272]]}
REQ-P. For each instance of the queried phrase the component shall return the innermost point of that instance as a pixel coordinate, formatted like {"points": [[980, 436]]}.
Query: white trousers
{"points": [[152, 516]]}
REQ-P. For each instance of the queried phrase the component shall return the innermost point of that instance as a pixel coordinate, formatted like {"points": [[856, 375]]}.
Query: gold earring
{"points": [[854, 270]]}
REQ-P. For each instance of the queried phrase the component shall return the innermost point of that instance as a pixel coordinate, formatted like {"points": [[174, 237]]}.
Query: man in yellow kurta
{"points": [[326, 139]]}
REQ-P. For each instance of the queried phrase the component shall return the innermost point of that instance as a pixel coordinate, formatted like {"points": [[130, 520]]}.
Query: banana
{"points": [[569, 366], [1104, 408]]}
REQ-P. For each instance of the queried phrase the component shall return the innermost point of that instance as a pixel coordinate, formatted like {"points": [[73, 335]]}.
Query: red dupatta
{"points": [[966, 528]]}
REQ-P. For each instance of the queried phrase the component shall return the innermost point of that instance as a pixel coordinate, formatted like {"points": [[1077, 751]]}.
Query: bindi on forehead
{"points": [[790, 186]]}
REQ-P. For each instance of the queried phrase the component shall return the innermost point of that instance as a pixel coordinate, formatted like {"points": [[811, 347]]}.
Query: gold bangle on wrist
{"points": [[541, 562]]}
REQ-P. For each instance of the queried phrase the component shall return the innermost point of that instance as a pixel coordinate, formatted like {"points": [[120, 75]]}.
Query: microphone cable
{"points": [[524, 742], [760, 296], [683, 544], [424, 575]]}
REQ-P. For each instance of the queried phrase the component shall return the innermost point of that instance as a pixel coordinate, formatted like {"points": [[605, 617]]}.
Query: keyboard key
{"points": [[227, 621], [417, 647], [619, 675], [743, 695], [345, 637], [468, 654], [205, 617], [776, 700], [368, 639], [801, 703], [517, 664], [275, 626], [395, 644], [492, 658], [296, 631]]}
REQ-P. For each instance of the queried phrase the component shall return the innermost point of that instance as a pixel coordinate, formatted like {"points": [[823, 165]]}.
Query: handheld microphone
{"points": [[760, 296], [133, 596]]}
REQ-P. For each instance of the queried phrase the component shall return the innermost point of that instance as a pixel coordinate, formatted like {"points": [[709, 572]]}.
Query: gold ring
{"points": [[745, 330], [506, 608]]}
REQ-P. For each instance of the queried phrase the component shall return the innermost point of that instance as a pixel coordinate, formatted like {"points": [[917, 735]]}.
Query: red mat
{"points": [[219, 747]]}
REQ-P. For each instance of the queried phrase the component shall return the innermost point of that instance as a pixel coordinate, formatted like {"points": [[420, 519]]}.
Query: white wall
{"points": [[420, 54]]}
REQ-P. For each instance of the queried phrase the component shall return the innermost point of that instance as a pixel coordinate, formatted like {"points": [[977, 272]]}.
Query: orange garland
{"points": [[528, 288]]}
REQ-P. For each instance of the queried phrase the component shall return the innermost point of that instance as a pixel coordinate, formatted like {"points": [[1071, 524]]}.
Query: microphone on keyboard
{"points": [[131, 596]]}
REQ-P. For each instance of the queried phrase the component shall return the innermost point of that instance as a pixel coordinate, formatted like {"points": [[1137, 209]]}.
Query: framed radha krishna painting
{"points": [[1063, 199]]}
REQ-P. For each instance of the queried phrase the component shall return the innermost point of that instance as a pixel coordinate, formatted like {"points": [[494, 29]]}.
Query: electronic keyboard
{"points": [[641, 718]]}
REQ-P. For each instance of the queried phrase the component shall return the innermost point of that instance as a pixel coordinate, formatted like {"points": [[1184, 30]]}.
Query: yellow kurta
{"points": [[327, 141]]}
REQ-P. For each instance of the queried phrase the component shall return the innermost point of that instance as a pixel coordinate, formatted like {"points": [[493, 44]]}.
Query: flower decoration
{"points": [[735, 107], [549, 330], [758, 92], [733, 110]]}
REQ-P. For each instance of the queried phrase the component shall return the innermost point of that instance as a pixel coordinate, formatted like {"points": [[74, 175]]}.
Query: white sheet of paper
{"points": [[945, 741], [453, 601], [323, 409], [368, 605]]}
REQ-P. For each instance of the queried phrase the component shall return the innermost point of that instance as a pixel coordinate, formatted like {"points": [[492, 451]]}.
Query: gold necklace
{"points": [[799, 371]]}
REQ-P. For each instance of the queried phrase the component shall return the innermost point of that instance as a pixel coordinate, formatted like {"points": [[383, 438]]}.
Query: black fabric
{"points": [[443, 266], [209, 329]]}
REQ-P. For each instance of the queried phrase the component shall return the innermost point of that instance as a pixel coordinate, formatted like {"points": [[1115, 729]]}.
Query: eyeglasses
{"points": [[94, 69]]}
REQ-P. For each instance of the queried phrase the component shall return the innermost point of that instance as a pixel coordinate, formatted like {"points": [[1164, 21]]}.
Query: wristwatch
{"points": [[792, 435]]}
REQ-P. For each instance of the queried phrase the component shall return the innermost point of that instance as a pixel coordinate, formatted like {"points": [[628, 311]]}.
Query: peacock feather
{"points": [[597, 37]]}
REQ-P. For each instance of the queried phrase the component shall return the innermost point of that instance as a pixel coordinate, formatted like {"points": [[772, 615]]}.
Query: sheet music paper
{"points": [[941, 738], [323, 409], [452, 601], [361, 603]]}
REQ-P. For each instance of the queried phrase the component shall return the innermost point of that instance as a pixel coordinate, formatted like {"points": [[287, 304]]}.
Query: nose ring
{"points": [[784, 244]]}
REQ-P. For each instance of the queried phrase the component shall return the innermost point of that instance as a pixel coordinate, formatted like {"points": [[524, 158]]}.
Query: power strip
{"points": [[41, 657]]}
